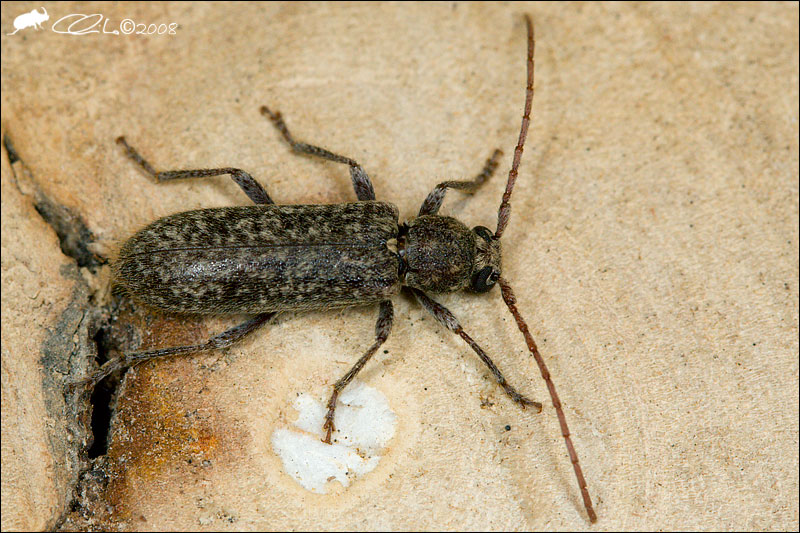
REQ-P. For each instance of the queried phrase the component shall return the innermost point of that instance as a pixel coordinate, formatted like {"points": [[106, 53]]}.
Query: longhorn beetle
{"points": [[268, 258]]}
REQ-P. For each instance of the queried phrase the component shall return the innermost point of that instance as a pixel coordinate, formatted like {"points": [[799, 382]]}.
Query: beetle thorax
{"points": [[441, 254]]}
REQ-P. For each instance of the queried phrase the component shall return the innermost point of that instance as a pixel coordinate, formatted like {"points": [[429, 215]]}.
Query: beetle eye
{"points": [[484, 279], [484, 233]]}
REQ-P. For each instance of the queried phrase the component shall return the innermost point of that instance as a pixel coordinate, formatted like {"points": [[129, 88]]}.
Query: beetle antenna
{"points": [[505, 208], [508, 297]]}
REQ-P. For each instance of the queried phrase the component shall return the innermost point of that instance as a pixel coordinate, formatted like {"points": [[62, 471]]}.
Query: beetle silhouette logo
{"points": [[26, 20]]}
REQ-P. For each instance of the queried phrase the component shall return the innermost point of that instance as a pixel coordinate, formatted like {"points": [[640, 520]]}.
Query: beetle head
{"points": [[486, 267]]}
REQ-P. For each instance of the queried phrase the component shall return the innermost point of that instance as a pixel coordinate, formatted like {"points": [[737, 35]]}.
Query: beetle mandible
{"points": [[268, 258]]}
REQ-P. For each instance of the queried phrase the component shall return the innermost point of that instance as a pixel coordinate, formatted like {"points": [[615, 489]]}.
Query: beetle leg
{"points": [[382, 329], [222, 340], [434, 200], [245, 181], [448, 320], [361, 182]]}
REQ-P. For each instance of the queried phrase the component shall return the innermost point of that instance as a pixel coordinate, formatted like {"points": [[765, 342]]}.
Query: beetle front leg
{"points": [[448, 320], [434, 200], [382, 329], [245, 181]]}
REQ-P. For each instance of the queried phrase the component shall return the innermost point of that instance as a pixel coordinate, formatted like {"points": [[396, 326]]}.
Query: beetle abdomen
{"points": [[256, 259]]}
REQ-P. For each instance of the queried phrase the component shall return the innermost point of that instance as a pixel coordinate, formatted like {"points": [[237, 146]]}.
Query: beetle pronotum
{"points": [[267, 258]]}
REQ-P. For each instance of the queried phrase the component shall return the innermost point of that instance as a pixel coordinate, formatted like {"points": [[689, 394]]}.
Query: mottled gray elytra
{"points": [[267, 258]]}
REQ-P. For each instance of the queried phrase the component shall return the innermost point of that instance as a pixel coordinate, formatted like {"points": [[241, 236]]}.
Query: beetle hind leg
{"points": [[221, 340], [245, 181]]}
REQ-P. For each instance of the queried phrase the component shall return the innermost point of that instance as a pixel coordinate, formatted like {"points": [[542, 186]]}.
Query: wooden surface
{"points": [[653, 248]]}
